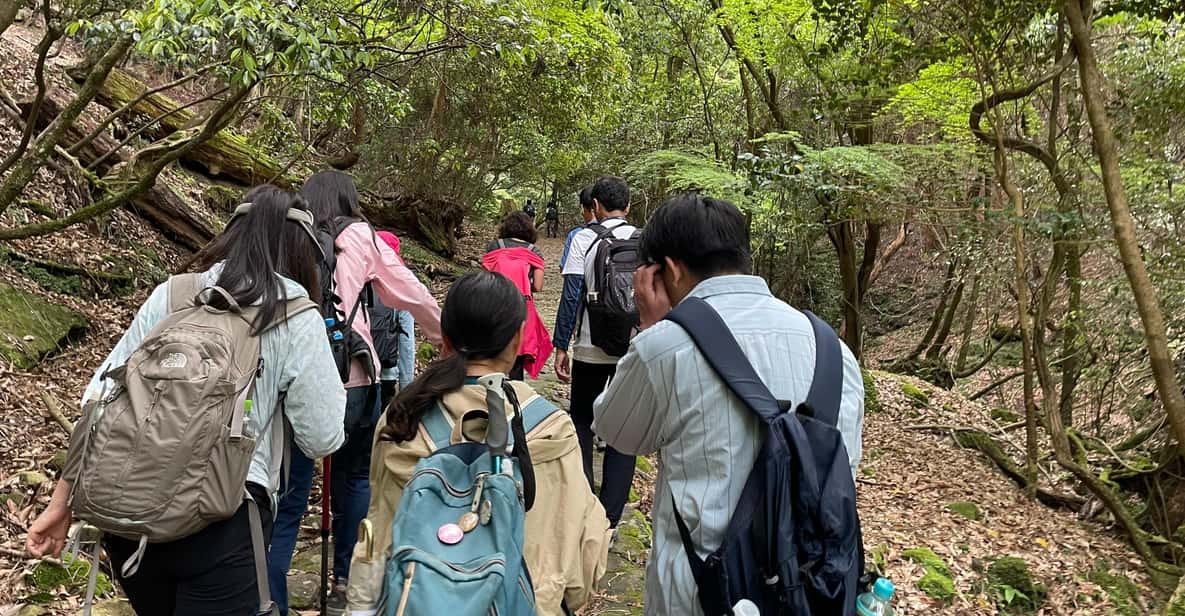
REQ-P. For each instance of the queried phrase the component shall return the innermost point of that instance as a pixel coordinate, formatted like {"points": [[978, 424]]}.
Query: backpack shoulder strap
{"points": [[827, 382], [183, 290], [439, 430], [717, 344], [536, 412], [501, 243], [602, 231]]}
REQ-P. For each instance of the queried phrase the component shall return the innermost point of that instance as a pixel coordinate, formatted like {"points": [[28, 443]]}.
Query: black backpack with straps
{"points": [[346, 344], [609, 289], [793, 545]]}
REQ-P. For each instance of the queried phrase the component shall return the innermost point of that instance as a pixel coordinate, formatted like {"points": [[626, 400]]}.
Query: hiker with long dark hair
{"points": [[264, 268], [514, 255], [566, 531], [363, 265]]}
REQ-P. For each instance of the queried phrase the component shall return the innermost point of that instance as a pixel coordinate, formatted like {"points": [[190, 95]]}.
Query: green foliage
{"points": [[939, 100]]}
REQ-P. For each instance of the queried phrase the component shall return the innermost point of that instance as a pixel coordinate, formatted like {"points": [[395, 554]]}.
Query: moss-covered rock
{"points": [[872, 404], [634, 537], [936, 581], [31, 328], [1005, 416], [937, 586], [58, 461], [304, 591], [967, 509], [32, 478], [927, 559], [1015, 590], [71, 574], [113, 607], [917, 395]]}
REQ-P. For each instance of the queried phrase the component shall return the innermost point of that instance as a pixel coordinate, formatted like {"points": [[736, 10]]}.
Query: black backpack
{"points": [[384, 331], [345, 343], [793, 545], [609, 289]]}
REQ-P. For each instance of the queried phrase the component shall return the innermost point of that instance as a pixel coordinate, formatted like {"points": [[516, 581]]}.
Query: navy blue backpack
{"points": [[793, 545]]}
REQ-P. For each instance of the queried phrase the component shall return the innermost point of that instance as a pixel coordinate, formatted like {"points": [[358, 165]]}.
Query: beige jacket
{"points": [[567, 533]]}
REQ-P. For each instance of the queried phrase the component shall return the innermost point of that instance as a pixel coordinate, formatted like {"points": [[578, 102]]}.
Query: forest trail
{"points": [[910, 484]]}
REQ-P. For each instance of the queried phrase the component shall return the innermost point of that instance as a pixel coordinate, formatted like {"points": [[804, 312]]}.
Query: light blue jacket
{"points": [[297, 360]]}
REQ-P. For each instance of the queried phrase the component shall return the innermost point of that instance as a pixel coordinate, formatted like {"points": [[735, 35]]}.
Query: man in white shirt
{"points": [[666, 398], [590, 367]]}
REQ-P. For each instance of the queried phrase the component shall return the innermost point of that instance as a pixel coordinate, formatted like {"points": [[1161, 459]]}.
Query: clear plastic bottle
{"points": [[876, 603]]}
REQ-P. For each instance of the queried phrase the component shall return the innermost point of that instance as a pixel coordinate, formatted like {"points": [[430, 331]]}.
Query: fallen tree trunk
{"points": [[434, 221], [970, 438], [228, 154], [161, 205]]}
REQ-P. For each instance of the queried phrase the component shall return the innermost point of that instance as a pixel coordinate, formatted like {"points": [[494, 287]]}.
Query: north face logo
{"points": [[174, 360]]}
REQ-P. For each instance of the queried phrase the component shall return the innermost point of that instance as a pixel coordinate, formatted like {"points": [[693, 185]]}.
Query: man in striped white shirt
{"points": [[666, 398]]}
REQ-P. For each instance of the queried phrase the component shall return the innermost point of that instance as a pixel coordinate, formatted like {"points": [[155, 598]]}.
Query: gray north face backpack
{"points": [[166, 453]]}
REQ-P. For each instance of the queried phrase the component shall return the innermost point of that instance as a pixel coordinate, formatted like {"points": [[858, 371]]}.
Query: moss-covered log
{"points": [[435, 222], [984, 443], [160, 205], [228, 154]]}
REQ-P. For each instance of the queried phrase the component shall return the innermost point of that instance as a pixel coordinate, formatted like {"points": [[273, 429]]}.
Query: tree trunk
{"points": [[1022, 309], [969, 320], [41, 149], [1123, 225], [1072, 363], [939, 312], [160, 205], [227, 153], [844, 241], [948, 320], [890, 251]]}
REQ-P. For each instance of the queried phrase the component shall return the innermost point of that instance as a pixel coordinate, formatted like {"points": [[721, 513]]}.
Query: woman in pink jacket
{"points": [[364, 265]]}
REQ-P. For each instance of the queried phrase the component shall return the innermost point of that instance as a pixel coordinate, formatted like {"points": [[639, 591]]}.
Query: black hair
{"points": [[482, 313], [612, 192], [586, 200], [708, 235], [255, 247], [519, 226], [331, 195]]}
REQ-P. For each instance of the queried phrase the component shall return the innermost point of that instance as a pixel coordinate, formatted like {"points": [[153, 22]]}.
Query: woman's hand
{"points": [[650, 295], [47, 534]]}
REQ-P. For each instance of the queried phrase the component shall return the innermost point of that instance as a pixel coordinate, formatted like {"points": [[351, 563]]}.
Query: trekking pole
{"points": [[325, 486]]}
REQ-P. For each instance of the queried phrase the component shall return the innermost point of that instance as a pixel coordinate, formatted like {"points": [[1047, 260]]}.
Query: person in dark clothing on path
{"points": [[552, 216], [590, 368]]}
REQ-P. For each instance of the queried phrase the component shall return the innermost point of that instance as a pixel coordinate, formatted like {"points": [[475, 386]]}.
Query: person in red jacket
{"points": [[515, 256]]}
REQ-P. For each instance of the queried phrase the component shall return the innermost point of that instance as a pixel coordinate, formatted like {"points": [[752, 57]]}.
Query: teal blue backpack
{"points": [[457, 538]]}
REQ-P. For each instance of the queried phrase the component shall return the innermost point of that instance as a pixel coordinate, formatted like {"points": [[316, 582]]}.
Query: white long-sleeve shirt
{"points": [[297, 360], [665, 397]]}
